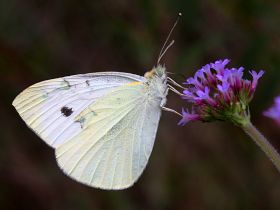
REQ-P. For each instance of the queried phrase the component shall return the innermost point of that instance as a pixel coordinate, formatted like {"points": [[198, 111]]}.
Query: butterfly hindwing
{"points": [[117, 137]]}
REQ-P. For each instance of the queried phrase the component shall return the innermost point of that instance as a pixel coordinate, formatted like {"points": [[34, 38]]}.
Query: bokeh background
{"points": [[200, 166]]}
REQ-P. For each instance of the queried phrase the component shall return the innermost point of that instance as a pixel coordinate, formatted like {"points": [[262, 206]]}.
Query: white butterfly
{"points": [[101, 125]]}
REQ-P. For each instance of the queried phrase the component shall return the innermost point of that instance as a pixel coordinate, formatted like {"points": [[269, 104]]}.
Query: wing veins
{"points": [[54, 98], [132, 146], [92, 174], [92, 145], [110, 154], [141, 138], [50, 123]]}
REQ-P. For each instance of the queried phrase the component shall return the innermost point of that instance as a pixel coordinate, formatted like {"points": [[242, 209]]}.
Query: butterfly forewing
{"points": [[51, 107]]}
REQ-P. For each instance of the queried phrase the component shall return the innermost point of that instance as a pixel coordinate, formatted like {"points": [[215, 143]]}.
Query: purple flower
{"points": [[219, 93], [274, 111]]}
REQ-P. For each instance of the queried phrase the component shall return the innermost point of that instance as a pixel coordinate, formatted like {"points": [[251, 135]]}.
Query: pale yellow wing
{"points": [[115, 144]]}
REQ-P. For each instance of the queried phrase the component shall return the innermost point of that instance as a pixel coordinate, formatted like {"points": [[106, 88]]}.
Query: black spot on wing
{"points": [[66, 111]]}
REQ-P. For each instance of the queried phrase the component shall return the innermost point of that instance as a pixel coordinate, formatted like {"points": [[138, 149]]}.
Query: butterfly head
{"points": [[158, 71]]}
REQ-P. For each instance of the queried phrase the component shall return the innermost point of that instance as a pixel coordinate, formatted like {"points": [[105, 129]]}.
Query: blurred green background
{"points": [[200, 166]]}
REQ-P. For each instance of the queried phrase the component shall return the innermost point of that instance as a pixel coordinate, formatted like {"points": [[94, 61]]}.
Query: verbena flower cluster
{"points": [[274, 111], [219, 93]]}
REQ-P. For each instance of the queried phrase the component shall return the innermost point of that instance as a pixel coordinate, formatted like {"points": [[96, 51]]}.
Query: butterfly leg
{"points": [[175, 83], [171, 110], [174, 90]]}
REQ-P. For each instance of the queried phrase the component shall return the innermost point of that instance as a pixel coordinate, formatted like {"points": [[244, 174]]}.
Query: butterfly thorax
{"points": [[157, 83]]}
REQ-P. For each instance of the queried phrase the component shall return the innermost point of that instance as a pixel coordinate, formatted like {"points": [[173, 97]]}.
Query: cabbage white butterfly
{"points": [[101, 125]]}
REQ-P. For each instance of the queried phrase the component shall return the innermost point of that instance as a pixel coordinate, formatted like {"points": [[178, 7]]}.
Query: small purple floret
{"points": [[274, 111], [187, 116], [256, 77], [224, 87], [219, 65], [215, 91]]}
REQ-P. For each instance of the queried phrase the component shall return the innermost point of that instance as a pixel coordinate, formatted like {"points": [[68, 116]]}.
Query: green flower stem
{"points": [[263, 143]]}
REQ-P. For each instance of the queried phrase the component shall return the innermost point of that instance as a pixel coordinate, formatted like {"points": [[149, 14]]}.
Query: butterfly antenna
{"points": [[164, 48]]}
